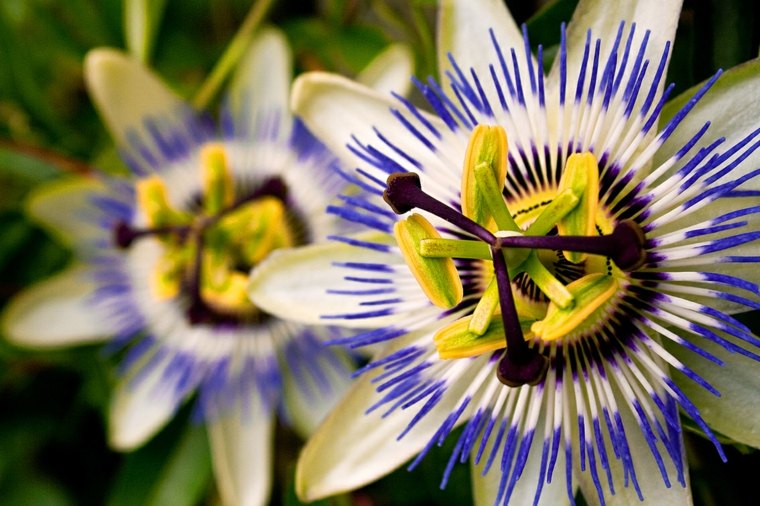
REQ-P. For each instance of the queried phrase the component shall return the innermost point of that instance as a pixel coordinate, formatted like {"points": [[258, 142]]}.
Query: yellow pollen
{"points": [[456, 340], [438, 277], [592, 294], [581, 176], [218, 187], [487, 148]]}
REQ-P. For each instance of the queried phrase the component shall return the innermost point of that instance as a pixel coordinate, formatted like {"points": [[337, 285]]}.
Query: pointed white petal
{"points": [[66, 207], [241, 446], [647, 473], [335, 108], [389, 71], [732, 107], [126, 92], [735, 412], [293, 284], [351, 448], [261, 84], [307, 405], [603, 19], [485, 488], [56, 312], [464, 32], [139, 409]]}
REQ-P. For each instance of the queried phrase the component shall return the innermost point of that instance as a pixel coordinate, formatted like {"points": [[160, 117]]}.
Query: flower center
{"points": [[515, 244], [208, 251]]}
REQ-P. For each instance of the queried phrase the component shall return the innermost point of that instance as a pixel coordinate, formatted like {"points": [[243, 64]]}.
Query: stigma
{"points": [[508, 243]]}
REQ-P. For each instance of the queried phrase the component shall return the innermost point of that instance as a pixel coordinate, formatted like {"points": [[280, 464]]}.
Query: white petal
{"points": [[603, 19], [293, 284], [241, 446], [351, 448], [126, 92], [389, 71], [335, 108], [647, 473], [307, 405], [139, 409], [56, 312], [67, 209], [485, 488], [735, 412], [463, 31], [732, 107], [261, 84]]}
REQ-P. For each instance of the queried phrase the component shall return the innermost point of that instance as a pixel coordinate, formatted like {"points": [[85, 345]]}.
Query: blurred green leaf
{"points": [[141, 21], [174, 468]]}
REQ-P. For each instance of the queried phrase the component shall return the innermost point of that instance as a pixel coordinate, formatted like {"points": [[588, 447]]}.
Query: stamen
{"points": [[563, 203], [152, 199], [483, 314], [625, 246], [490, 192], [546, 282], [455, 248], [591, 292], [457, 340], [487, 154], [404, 193], [438, 277], [218, 187], [581, 176]]}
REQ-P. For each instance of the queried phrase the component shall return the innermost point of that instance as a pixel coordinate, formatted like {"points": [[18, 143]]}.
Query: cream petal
{"points": [[351, 448], [140, 408], [260, 86], [125, 93], [57, 312], [463, 32], [603, 19], [67, 209], [307, 405], [293, 284], [735, 412], [389, 71], [647, 473], [732, 107], [241, 447], [485, 488], [335, 108]]}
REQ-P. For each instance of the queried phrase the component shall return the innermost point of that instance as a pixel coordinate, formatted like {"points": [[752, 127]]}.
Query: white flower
{"points": [[163, 258], [627, 247]]}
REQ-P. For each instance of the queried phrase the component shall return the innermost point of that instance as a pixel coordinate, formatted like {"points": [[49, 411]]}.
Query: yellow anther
{"points": [[229, 293], [437, 277], [457, 341], [487, 147], [484, 311], [581, 176], [168, 273], [592, 294], [218, 186], [153, 200], [259, 228]]}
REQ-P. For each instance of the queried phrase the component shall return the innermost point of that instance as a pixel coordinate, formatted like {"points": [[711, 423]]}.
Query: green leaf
{"points": [[141, 21], [174, 468]]}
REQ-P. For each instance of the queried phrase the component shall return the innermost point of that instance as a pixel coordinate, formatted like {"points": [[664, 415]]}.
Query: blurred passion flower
{"points": [[551, 262], [164, 257]]}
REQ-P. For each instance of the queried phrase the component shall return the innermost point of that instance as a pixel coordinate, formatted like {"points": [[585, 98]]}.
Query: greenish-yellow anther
{"points": [[456, 340], [438, 277], [218, 187], [487, 149], [581, 177], [592, 294]]}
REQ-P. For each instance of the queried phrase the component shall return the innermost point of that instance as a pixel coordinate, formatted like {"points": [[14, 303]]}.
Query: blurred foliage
{"points": [[53, 447]]}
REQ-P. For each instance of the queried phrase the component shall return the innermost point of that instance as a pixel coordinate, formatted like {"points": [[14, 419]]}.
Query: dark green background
{"points": [[52, 404]]}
